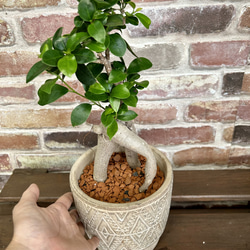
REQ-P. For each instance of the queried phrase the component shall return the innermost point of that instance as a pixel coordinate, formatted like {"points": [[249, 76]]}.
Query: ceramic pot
{"points": [[127, 226]]}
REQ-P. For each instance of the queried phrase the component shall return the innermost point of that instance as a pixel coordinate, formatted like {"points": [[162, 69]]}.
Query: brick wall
{"points": [[196, 109]]}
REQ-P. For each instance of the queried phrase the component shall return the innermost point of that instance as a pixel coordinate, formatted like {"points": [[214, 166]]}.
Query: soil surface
{"points": [[122, 184]]}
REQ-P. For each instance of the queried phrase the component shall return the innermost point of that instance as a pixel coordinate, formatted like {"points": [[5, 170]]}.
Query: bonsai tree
{"points": [[111, 85]]}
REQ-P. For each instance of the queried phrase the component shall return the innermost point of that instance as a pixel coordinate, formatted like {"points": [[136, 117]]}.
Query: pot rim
{"points": [[165, 187]]}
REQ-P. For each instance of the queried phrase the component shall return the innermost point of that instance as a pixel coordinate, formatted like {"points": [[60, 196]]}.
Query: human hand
{"points": [[51, 228]]}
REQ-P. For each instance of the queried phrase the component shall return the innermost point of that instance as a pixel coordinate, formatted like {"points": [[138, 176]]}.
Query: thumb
{"points": [[31, 194]]}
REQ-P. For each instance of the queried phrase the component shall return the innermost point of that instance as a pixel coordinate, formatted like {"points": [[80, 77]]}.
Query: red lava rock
{"points": [[122, 184], [117, 157]]}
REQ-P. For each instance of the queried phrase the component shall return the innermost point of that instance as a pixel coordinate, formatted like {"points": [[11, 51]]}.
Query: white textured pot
{"points": [[127, 226]]}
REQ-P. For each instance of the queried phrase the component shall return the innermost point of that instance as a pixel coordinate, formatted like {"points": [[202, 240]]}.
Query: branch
{"points": [[105, 61]]}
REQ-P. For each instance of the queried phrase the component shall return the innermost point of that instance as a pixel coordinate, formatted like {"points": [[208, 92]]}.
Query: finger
{"points": [[94, 242], [66, 200], [31, 194], [74, 215], [81, 228]]}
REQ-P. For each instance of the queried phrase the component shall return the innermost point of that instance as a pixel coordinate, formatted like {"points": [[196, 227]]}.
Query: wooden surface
{"points": [[208, 228], [195, 185]]}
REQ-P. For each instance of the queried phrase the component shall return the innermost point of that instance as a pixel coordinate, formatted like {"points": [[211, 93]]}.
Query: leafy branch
{"points": [[85, 53]]}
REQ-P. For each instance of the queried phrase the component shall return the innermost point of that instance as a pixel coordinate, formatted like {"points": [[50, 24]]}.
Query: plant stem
{"points": [[77, 93], [105, 61]]}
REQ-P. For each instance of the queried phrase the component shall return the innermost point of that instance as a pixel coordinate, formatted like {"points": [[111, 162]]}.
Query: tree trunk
{"points": [[132, 144]]}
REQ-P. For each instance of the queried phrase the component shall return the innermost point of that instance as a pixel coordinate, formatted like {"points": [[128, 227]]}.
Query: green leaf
{"points": [[139, 64], [48, 85], [127, 116], [120, 91], [94, 97], [78, 21], [67, 65], [85, 76], [105, 4], [36, 70], [143, 84], [116, 76], [76, 39], [118, 65], [95, 68], [131, 101], [84, 55], [47, 45], [97, 88], [132, 4], [129, 85], [57, 91], [115, 20], [102, 4], [80, 114], [57, 35], [144, 20], [117, 45], [97, 31], [86, 9], [115, 103], [123, 108], [61, 43], [51, 57], [96, 46], [133, 77], [103, 80], [132, 20], [112, 129], [107, 119]]}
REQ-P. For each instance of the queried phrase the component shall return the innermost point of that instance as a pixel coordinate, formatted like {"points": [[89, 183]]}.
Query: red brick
{"points": [[41, 118], [95, 117], [239, 157], [157, 54], [17, 94], [228, 134], [191, 20], [232, 83], [216, 111], [201, 156], [178, 135], [6, 34], [38, 29], [72, 3], [241, 135], [184, 86], [30, 118], [5, 164], [244, 110], [70, 140], [27, 3], [246, 84], [218, 54], [19, 141], [245, 19], [159, 114], [16, 63], [53, 161]]}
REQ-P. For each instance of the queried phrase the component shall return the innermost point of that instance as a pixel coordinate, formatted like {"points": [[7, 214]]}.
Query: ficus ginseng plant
{"points": [[86, 52], [110, 84]]}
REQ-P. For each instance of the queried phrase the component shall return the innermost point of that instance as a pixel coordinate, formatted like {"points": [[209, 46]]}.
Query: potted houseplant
{"points": [[112, 86]]}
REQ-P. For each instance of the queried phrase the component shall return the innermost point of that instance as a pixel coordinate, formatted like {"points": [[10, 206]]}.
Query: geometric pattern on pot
{"points": [[139, 228]]}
